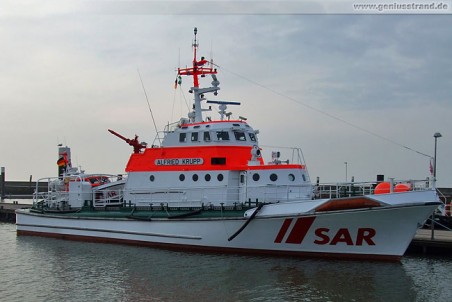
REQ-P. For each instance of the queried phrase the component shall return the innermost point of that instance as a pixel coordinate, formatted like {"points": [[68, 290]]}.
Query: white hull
{"points": [[379, 233]]}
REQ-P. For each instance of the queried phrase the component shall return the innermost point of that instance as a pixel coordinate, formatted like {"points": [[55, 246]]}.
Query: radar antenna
{"points": [[223, 106]]}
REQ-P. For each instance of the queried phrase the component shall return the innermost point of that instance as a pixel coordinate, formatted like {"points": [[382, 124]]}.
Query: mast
{"points": [[198, 69]]}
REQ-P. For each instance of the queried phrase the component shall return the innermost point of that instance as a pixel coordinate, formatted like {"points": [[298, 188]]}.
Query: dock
{"points": [[440, 243], [7, 211]]}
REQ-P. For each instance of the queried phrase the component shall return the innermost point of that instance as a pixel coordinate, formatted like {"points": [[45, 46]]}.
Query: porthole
{"points": [[273, 177], [220, 177], [291, 177], [182, 177], [207, 177], [152, 178], [256, 177], [195, 177]]}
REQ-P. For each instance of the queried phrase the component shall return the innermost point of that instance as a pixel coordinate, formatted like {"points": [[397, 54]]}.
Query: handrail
{"points": [[348, 189], [57, 187], [438, 223], [58, 192], [230, 194], [441, 196]]}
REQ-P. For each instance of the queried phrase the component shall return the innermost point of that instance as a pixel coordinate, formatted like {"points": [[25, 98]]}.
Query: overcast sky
{"points": [[369, 90]]}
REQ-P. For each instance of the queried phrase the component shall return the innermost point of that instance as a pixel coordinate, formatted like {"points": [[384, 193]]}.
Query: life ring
{"points": [[382, 188], [402, 188], [385, 187]]}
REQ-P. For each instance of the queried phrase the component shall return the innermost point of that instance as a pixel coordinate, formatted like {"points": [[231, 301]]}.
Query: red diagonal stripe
{"points": [[300, 229], [283, 230]]}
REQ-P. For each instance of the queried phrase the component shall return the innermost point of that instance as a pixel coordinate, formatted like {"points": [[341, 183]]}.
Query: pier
{"points": [[7, 211], [439, 243]]}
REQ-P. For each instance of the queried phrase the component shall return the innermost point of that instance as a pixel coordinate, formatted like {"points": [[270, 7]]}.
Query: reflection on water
{"points": [[43, 269]]}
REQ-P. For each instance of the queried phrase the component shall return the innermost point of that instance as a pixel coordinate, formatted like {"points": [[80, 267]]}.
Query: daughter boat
{"points": [[206, 187]]}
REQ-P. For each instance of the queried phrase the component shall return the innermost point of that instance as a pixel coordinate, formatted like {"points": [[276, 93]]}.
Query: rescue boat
{"points": [[206, 187]]}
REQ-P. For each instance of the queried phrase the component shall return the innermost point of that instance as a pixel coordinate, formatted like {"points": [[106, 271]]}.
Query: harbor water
{"points": [[44, 269]]}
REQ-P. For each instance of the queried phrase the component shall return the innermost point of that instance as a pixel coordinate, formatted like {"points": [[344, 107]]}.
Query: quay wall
{"points": [[20, 189]]}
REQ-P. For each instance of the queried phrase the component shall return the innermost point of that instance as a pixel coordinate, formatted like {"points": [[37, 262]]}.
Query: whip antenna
{"points": [[149, 106]]}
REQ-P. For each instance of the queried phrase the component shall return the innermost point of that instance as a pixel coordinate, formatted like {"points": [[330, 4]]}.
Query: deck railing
{"points": [[58, 194], [227, 195], [349, 189]]}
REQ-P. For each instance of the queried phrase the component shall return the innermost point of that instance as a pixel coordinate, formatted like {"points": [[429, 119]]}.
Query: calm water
{"points": [[43, 269]]}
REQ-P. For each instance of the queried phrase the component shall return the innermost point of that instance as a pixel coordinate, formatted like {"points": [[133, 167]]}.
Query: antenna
{"points": [[149, 105], [211, 52], [198, 69], [179, 59]]}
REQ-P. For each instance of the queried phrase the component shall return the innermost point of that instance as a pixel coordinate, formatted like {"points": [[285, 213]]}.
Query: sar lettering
{"points": [[363, 236]]}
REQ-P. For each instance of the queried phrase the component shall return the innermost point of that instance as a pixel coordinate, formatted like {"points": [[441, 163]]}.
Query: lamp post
{"points": [[436, 136], [346, 171]]}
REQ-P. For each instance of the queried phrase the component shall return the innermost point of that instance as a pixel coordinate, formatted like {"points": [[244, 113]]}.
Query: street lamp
{"points": [[436, 136], [346, 172]]}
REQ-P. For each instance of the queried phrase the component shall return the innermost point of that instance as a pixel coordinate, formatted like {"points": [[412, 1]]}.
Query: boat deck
{"points": [[147, 213]]}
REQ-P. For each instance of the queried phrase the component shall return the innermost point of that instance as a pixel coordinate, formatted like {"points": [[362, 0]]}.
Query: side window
{"points": [[182, 137], [194, 136], [207, 136], [222, 135], [240, 136], [252, 137]]}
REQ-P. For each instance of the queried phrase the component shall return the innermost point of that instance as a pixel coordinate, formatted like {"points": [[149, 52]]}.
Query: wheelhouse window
{"points": [[252, 137], [194, 136], [182, 137], [240, 136], [222, 135], [206, 136]]}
